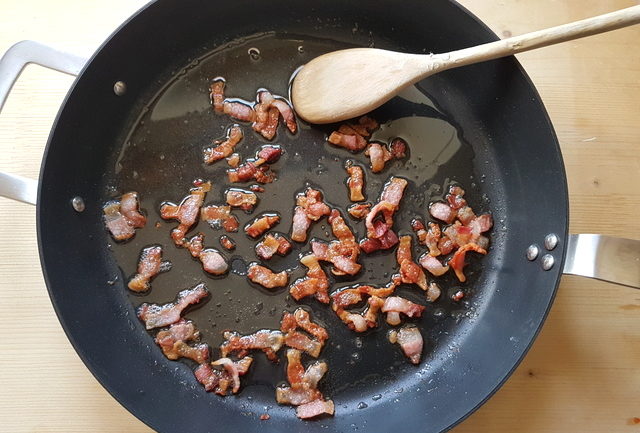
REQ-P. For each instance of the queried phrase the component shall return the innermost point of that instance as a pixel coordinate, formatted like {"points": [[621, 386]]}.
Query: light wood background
{"points": [[583, 372]]}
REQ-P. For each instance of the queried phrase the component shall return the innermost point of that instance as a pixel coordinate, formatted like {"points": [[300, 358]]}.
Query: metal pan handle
{"points": [[11, 66], [605, 258]]}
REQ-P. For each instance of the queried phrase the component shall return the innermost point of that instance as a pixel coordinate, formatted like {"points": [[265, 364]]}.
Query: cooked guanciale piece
{"points": [[296, 339], [266, 340], [149, 265], [457, 262], [187, 212], [410, 341], [173, 342], [433, 265], [379, 233], [344, 252], [123, 217], [410, 272], [218, 380], [223, 148], [303, 387], [245, 200], [266, 277], [359, 210], [394, 305], [309, 207], [353, 137], [272, 244], [257, 168], [315, 283], [220, 217], [213, 262], [217, 94], [355, 181], [159, 315], [380, 154], [227, 243], [261, 224]]}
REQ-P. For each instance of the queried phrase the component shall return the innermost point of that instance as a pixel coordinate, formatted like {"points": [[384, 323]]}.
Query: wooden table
{"points": [[583, 372]]}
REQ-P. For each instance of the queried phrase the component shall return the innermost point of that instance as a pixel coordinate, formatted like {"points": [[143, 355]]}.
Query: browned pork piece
{"points": [[272, 244], [159, 315], [394, 305], [379, 154], [355, 181], [223, 373], [302, 390], [266, 277], [410, 341], [309, 207], [173, 342], [410, 272], [298, 340], [220, 217], [353, 137], [344, 252], [223, 148], [379, 233], [315, 283], [261, 224], [266, 340], [245, 200], [122, 217], [149, 265], [187, 212]]}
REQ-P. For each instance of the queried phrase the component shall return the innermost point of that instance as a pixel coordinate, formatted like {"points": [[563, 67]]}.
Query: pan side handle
{"points": [[605, 258], [11, 66]]}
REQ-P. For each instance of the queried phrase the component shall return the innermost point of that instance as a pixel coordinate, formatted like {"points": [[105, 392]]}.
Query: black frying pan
{"points": [[506, 156]]}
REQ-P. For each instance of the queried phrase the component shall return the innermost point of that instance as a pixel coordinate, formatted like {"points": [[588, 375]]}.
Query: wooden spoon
{"points": [[348, 83]]}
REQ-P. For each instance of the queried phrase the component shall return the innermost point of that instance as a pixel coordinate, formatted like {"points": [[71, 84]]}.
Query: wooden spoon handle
{"points": [[541, 38]]}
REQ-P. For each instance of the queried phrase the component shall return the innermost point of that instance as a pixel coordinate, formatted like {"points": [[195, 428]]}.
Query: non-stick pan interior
{"points": [[481, 127]]}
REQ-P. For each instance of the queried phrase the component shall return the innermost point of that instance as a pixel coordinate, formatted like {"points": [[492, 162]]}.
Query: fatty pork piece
{"points": [[379, 233], [223, 373], [261, 224], [122, 217], [315, 283], [245, 200], [353, 136], [342, 253], [266, 277], [227, 243], [268, 109], [303, 387], [429, 238], [217, 94], [410, 341], [173, 342], [257, 168], [187, 212], [159, 315], [359, 210], [298, 340], [394, 305], [309, 207], [272, 244], [269, 341], [223, 148], [220, 217], [410, 272], [150, 265], [380, 154], [355, 181], [212, 261]]}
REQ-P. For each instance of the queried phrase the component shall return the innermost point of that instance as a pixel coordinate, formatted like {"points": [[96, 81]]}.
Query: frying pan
{"points": [[511, 295]]}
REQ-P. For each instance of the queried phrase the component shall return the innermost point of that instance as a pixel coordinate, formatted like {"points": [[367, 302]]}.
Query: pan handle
{"points": [[605, 258], [11, 66]]}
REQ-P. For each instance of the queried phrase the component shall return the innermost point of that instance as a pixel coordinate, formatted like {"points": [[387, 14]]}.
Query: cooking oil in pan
{"points": [[163, 155]]}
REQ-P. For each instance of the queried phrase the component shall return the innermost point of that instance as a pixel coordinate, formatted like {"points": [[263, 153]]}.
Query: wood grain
{"points": [[581, 374]]}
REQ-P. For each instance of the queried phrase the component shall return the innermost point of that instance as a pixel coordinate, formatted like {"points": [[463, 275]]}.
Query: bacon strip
{"points": [[239, 110], [225, 147], [359, 210], [355, 182], [187, 212], [344, 252], [295, 339], [314, 284], [227, 243], [433, 265], [173, 342], [302, 390], [156, 315], [272, 244], [261, 224], [457, 262], [396, 304], [149, 265], [257, 168], [122, 217], [352, 136], [217, 94], [410, 341], [220, 217], [219, 380], [410, 272], [245, 200], [266, 277], [309, 207], [379, 233], [266, 340]]}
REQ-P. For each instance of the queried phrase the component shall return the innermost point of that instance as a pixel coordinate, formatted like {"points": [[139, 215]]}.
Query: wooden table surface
{"points": [[583, 372]]}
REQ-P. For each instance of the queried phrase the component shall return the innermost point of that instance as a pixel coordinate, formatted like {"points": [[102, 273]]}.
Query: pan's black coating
{"points": [[508, 154]]}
